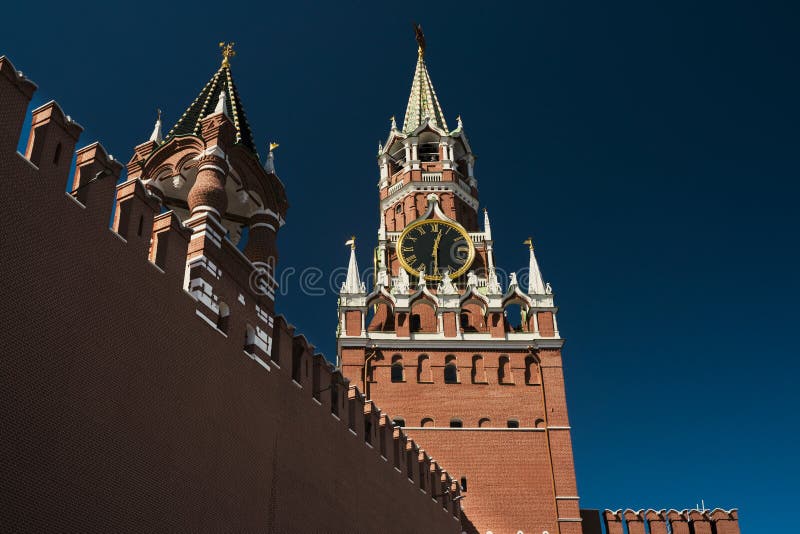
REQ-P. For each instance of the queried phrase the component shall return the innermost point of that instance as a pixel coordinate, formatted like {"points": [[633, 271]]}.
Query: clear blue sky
{"points": [[652, 150]]}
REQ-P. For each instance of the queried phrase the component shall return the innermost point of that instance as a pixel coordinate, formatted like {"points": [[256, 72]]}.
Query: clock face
{"points": [[436, 245]]}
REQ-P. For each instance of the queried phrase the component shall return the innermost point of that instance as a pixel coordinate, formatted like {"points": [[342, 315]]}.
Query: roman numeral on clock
{"points": [[411, 259]]}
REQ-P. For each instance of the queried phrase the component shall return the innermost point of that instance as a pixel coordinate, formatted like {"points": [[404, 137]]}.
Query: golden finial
{"points": [[273, 145], [528, 242], [420, 39], [351, 242], [227, 52]]}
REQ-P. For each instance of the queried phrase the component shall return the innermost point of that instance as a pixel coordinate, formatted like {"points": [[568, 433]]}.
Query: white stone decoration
{"points": [[472, 279], [401, 285], [447, 287], [493, 285]]}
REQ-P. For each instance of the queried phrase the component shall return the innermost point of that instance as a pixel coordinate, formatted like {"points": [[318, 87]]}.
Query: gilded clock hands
{"points": [[435, 271]]}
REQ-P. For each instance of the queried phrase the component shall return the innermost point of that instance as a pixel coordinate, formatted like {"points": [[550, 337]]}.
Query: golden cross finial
{"points": [[227, 52], [528, 242]]}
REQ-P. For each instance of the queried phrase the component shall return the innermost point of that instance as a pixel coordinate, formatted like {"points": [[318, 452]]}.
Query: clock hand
{"points": [[436, 252]]}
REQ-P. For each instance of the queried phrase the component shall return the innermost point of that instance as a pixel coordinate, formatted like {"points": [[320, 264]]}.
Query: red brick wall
{"points": [[124, 410]]}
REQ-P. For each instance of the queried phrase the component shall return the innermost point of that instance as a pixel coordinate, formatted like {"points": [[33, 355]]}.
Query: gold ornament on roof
{"points": [[420, 39], [227, 52], [528, 242]]}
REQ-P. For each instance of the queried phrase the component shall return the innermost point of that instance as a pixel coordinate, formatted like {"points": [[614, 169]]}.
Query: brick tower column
{"points": [[208, 193], [261, 242]]}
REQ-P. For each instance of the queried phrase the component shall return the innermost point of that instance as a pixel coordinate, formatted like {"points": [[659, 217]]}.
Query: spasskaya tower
{"points": [[470, 368]]}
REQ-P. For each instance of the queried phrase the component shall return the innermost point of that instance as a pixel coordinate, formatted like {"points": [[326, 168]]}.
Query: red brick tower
{"points": [[472, 370], [208, 173]]}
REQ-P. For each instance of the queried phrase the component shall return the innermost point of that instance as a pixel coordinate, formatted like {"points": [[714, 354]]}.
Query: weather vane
{"points": [[420, 39], [227, 52], [528, 242]]}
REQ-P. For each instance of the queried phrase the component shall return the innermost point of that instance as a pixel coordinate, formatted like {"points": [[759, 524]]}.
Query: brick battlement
{"points": [[153, 384], [717, 521]]}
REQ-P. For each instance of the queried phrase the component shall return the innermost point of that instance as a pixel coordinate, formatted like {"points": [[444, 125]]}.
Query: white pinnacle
{"points": [[156, 135], [352, 284], [487, 228], [535, 282], [221, 107], [269, 166]]}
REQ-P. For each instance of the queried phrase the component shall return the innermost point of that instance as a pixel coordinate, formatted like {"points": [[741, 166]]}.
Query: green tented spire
{"points": [[207, 100]]}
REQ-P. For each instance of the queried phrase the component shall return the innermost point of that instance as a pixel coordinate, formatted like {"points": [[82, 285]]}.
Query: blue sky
{"points": [[650, 149]]}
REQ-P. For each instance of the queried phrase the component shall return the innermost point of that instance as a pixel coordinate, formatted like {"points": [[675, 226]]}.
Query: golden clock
{"points": [[436, 246]]}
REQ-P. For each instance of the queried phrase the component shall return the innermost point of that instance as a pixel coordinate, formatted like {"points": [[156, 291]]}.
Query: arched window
{"points": [[399, 208], [484, 422], [416, 322], [249, 339], [478, 371], [456, 423], [427, 421], [397, 368], [464, 484], [424, 368], [222, 318], [531, 371], [513, 423], [450, 370], [504, 375], [57, 154], [399, 421]]}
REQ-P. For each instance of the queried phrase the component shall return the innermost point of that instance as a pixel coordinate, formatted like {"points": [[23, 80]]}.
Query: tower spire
{"points": [[422, 103], [209, 101], [535, 282]]}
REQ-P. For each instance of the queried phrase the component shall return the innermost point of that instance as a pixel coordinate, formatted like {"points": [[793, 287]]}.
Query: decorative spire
{"points": [[156, 135], [269, 165], [535, 282], [227, 53], [422, 103], [352, 284], [393, 122], [487, 227]]}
